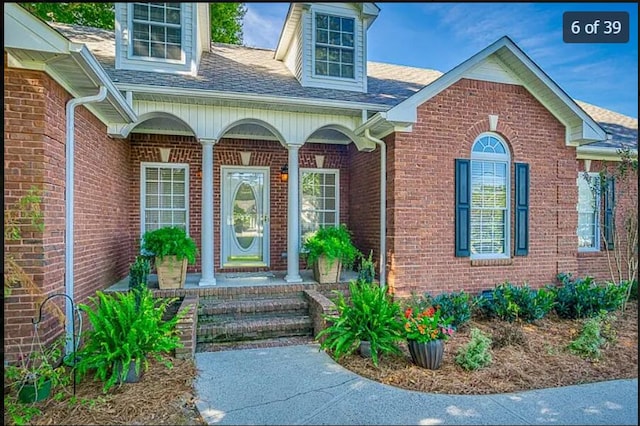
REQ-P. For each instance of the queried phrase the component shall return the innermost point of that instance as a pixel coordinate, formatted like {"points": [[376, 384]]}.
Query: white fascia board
{"points": [[85, 59], [266, 99], [286, 34], [587, 152], [595, 132], [22, 30]]}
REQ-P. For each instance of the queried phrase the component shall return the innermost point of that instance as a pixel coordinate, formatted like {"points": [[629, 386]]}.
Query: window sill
{"points": [[589, 253], [491, 262]]}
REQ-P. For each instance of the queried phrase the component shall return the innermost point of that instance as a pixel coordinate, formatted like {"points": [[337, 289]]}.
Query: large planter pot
{"points": [[172, 272], [31, 392], [323, 273], [427, 354]]}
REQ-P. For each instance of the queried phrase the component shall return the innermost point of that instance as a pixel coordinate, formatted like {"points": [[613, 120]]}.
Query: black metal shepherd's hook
{"points": [[73, 329]]}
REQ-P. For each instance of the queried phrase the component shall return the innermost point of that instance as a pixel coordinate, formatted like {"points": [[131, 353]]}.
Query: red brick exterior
{"points": [[145, 148], [421, 190], [34, 152], [420, 193], [603, 264]]}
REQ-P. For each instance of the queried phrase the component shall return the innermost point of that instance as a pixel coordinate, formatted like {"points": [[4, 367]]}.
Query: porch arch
{"points": [[255, 122], [180, 126]]}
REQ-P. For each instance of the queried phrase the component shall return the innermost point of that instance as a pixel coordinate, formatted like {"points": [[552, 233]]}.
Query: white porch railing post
{"points": [[293, 217], [207, 246]]}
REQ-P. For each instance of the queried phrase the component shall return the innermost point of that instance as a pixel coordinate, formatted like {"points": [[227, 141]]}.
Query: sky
{"points": [[440, 36]]}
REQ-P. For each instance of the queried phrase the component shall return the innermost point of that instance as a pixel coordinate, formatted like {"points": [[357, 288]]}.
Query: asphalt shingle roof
{"points": [[232, 68]]}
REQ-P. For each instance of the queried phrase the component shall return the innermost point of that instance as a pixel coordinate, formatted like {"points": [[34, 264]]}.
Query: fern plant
{"points": [[476, 353], [126, 327], [170, 241], [370, 315], [333, 242]]}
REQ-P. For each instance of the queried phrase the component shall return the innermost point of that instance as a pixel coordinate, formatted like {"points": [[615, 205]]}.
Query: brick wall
{"points": [[421, 190], [364, 201], [34, 152], [600, 264], [144, 148]]}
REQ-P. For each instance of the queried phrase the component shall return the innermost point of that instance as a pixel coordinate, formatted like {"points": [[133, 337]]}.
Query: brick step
{"points": [[233, 317], [252, 306], [254, 344], [253, 328]]}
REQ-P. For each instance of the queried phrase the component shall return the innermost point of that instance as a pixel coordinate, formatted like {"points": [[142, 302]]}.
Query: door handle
{"points": [[265, 218]]}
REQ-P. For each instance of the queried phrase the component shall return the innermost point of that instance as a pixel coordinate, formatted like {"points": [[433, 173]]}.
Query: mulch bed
{"points": [[534, 356]]}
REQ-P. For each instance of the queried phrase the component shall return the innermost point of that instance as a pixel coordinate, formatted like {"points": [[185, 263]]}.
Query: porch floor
{"points": [[237, 279]]}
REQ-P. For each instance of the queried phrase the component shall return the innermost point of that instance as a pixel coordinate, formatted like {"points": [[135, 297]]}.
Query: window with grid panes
{"points": [[588, 212], [164, 196], [489, 198], [156, 30], [334, 49], [319, 201]]}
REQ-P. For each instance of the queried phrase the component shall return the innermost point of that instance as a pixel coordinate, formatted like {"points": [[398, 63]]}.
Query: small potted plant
{"points": [[139, 272], [172, 249], [328, 250], [35, 374], [426, 331]]}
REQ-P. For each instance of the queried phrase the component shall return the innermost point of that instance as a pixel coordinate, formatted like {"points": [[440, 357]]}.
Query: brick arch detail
{"points": [[504, 130]]}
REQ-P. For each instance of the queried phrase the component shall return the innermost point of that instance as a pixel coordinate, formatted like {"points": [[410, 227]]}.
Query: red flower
{"points": [[430, 311], [408, 312]]}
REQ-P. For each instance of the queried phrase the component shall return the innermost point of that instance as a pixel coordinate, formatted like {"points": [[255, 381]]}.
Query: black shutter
{"points": [[609, 202], [463, 207], [522, 209]]}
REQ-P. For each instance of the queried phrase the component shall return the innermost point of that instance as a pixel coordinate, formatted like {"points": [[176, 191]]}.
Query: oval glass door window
{"points": [[245, 216]]}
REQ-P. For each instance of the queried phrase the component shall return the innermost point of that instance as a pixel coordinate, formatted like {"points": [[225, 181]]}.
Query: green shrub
{"points": [[125, 327], [510, 302], [456, 305], [596, 332], [139, 272], [367, 270], [584, 298], [369, 315], [169, 241], [476, 353]]}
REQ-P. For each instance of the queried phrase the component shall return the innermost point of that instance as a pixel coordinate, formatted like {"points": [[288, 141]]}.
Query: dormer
{"points": [[324, 44], [161, 37]]}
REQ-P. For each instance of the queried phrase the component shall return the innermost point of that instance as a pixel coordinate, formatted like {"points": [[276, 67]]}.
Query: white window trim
{"points": [[498, 158], [313, 46], [133, 57], [336, 172], [597, 198], [143, 190]]}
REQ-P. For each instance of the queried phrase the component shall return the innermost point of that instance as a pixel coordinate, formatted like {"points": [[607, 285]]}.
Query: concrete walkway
{"points": [[302, 385]]}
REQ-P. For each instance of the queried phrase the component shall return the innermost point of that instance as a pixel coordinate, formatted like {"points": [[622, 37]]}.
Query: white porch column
{"points": [[207, 254], [293, 217]]}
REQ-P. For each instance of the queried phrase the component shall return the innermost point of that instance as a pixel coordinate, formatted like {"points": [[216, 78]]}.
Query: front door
{"points": [[245, 216]]}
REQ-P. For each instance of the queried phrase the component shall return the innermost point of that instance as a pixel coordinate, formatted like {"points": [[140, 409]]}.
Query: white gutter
{"points": [[587, 152], [235, 96], [383, 205], [94, 67], [68, 217]]}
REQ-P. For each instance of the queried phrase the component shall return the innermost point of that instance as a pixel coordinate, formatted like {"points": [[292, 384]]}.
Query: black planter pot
{"points": [[427, 354], [131, 377], [365, 349]]}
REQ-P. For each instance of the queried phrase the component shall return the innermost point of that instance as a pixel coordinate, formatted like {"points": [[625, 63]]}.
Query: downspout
{"points": [[383, 205], [68, 216]]}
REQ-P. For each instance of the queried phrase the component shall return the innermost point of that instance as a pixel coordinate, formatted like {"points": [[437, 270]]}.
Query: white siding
{"points": [[212, 122], [359, 83], [492, 69], [189, 44]]}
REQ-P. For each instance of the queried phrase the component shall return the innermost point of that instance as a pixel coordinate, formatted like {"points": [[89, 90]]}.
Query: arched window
{"points": [[490, 201]]}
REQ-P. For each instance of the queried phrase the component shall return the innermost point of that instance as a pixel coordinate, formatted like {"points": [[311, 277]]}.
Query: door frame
{"points": [[266, 229]]}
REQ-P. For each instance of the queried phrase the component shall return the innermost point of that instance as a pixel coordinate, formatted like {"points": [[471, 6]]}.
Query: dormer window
{"points": [[157, 31], [334, 46]]}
